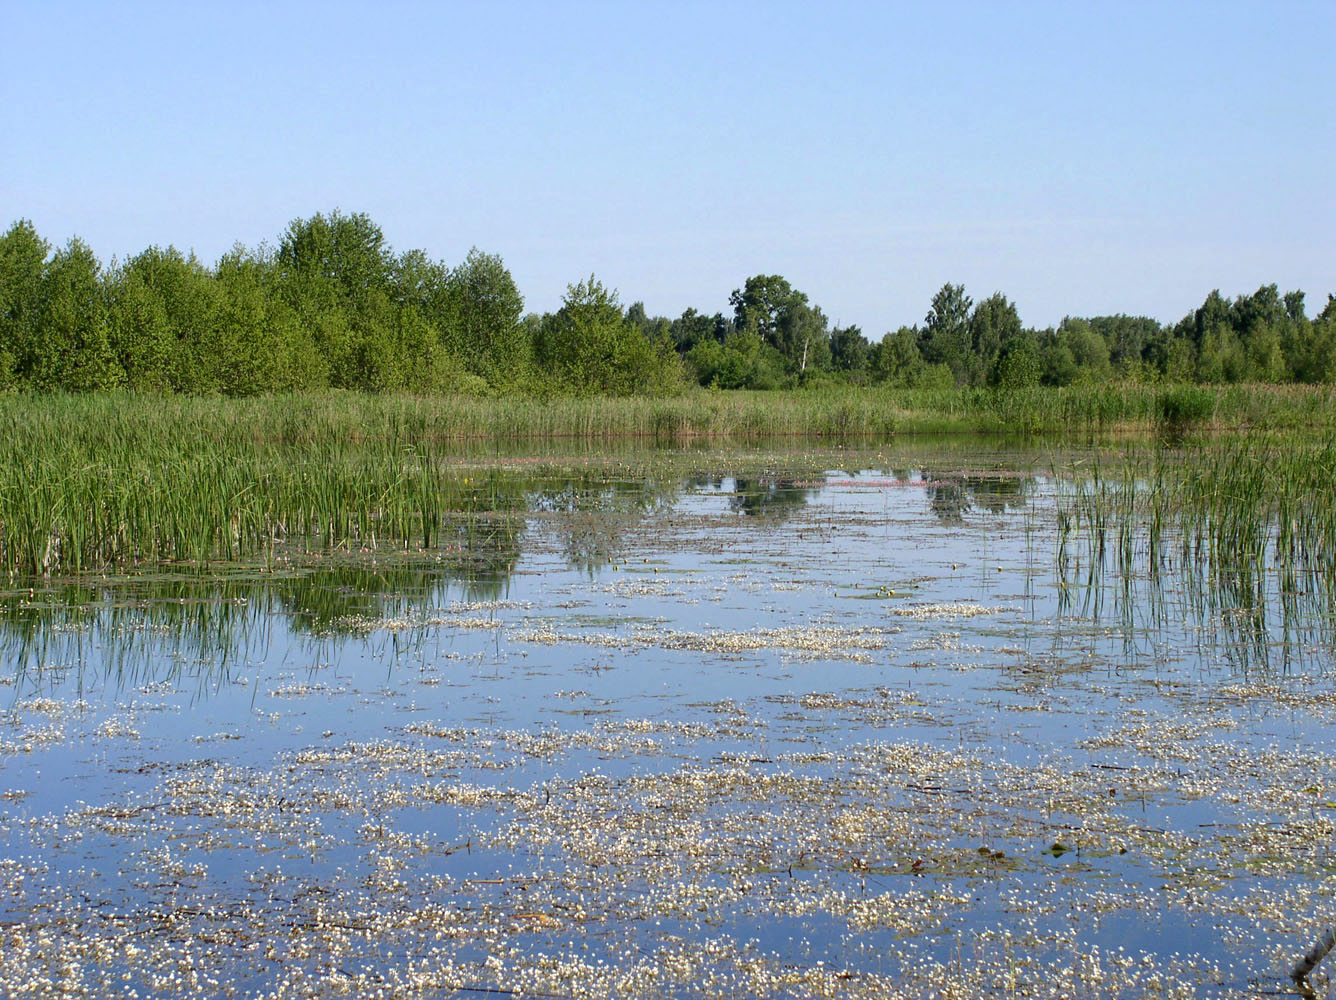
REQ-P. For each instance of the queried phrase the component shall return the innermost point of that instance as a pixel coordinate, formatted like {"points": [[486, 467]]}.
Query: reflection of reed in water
{"points": [[157, 626]]}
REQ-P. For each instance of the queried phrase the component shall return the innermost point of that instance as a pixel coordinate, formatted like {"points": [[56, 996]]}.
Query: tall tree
{"points": [[488, 307], [761, 303], [848, 349], [992, 325], [896, 360], [587, 347], [772, 309], [802, 337], [945, 336], [343, 254], [23, 257], [72, 352]]}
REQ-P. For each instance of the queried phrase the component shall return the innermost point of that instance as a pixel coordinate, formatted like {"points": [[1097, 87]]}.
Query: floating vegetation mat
{"points": [[897, 868]]}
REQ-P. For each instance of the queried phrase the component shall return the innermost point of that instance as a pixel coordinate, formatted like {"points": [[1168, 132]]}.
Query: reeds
{"points": [[1245, 526], [95, 481]]}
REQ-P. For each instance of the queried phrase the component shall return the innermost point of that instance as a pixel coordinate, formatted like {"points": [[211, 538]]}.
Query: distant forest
{"points": [[332, 306]]}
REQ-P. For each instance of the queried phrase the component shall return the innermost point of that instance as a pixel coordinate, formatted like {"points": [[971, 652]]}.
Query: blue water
{"points": [[109, 711]]}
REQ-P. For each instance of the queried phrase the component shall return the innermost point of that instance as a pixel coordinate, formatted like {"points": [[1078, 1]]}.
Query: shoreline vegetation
{"points": [[332, 306], [32, 422], [110, 481], [322, 392]]}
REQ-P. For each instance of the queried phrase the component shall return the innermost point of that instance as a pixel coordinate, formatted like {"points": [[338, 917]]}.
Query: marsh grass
{"points": [[89, 482], [1244, 527]]}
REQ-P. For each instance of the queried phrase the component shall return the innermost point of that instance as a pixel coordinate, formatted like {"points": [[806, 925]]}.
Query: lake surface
{"points": [[845, 723]]}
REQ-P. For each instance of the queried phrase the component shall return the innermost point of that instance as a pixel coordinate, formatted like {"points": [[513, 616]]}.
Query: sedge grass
{"points": [[93, 481], [1244, 527]]}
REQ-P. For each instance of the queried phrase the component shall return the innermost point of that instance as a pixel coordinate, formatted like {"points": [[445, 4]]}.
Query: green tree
{"points": [[139, 330], [760, 304], [163, 322], [341, 278], [692, 328], [587, 347], [1057, 365], [723, 366], [896, 360], [945, 336], [802, 337], [260, 343], [23, 257], [993, 323], [849, 349], [1018, 364], [1128, 338], [487, 310], [341, 255], [772, 309], [72, 352], [1089, 351]]}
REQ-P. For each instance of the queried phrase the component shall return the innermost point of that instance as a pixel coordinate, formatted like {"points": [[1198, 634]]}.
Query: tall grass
{"points": [[1245, 527], [95, 481], [115, 421]]}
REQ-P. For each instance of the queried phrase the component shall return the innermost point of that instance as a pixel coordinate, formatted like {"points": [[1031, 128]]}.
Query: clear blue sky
{"points": [[1081, 158]]}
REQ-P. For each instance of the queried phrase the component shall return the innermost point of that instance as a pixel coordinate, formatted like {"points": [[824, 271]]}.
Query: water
{"points": [[837, 724]]}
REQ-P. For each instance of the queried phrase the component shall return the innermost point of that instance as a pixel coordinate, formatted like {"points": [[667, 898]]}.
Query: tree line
{"points": [[333, 306]]}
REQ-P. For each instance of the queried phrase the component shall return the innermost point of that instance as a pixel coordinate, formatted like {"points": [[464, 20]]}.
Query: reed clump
{"points": [[1245, 527]]}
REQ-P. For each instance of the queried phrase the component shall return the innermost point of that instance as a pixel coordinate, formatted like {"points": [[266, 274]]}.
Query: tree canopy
{"points": [[333, 305]]}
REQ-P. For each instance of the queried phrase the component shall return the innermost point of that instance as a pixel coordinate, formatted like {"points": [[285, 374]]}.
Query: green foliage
{"points": [[1128, 338], [945, 337], [768, 307], [23, 257], [722, 366], [693, 328], [849, 349], [487, 309], [1018, 365], [71, 349], [588, 348], [896, 360], [993, 325], [333, 306], [1088, 349], [336, 257]]}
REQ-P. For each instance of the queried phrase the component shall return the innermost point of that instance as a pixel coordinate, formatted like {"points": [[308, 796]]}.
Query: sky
{"points": [[1081, 158]]}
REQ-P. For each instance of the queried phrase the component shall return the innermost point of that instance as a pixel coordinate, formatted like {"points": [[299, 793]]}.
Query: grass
{"points": [[1245, 527], [109, 422], [88, 482]]}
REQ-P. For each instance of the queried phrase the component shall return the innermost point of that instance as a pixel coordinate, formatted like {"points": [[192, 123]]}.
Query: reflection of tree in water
{"points": [[591, 516], [952, 495], [768, 497]]}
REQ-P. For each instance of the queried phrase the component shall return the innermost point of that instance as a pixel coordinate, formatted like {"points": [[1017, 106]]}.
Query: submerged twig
{"points": [[1315, 954]]}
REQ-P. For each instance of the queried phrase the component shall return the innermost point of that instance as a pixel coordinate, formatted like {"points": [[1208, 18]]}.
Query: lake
{"points": [[936, 718]]}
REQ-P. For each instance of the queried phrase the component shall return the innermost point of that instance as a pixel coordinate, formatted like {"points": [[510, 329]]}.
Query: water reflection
{"points": [[769, 497], [952, 495], [1270, 607], [592, 516]]}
